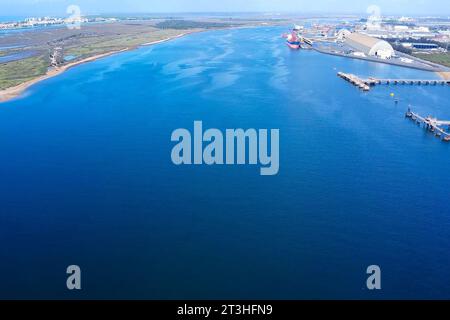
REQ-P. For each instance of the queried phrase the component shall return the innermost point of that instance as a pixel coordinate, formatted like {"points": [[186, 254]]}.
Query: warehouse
{"points": [[369, 45]]}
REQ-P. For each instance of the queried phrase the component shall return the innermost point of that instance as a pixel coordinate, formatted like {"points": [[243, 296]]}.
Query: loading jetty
{"points": [[374, 82], [366, 84], [432, 125], [354, 80]]}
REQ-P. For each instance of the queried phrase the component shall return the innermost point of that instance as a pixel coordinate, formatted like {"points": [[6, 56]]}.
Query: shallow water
{"points": [[16, 56]]}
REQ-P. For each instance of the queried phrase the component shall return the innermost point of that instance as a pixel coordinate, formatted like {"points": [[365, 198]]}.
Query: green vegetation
{"points": [[115, 44], [440, 58], [400, 48], [187, 24], [16, 72], [95, 39]]}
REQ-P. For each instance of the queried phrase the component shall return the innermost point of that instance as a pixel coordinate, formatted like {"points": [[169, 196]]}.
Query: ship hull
{"points": [[293, 45]]}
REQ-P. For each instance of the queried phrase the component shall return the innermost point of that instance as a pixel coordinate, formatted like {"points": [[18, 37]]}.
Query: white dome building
{"points": [[369, 45], [342, 34]]}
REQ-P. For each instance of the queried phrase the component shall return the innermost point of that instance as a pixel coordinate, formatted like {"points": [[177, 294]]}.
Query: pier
{"points": [[366, 84], [374, 82], [355, 81], [431, 124]]}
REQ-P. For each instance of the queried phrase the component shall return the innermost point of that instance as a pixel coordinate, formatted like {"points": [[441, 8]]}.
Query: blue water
{"points": [[69, 57], [16, 56], [19, 31], [86, 178], [4, 18], [2, 48]]}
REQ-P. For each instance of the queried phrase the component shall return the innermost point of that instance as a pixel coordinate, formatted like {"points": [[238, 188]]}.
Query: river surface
{"points": [[87, 178]]}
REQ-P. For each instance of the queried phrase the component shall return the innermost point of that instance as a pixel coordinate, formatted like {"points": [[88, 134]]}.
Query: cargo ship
{"points": [[293, 40]]}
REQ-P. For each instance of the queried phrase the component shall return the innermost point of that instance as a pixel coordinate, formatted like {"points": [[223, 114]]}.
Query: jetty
{"points": [[354, 80], [366, 84], [431, 124], [374, 82]]}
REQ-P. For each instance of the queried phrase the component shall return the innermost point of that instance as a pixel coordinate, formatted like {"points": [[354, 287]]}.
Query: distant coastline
{"points": [[16, 91]]}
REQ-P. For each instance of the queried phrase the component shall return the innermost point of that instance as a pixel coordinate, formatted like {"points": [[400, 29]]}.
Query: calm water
{"points": [[16, 56], [86, 178]]}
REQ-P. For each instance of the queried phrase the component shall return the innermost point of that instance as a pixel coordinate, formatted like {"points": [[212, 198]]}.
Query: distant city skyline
{"points": [[388, 7]]}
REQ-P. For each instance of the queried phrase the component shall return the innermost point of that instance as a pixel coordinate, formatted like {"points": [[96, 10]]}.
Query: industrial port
{"points": [[366, 84], [386, 41], [433, 125], [416, 43]]}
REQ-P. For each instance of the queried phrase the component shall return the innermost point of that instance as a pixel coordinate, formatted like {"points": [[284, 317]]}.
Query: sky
{"points": [[58, 7]]}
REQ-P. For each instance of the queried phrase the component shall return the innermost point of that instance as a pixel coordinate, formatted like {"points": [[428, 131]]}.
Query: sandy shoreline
{"points": [[167, 39], [13, 92], [444, 75]]}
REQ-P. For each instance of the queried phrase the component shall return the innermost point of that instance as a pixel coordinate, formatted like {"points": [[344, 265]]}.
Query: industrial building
{"points": [[368, 45], [425, 46]]}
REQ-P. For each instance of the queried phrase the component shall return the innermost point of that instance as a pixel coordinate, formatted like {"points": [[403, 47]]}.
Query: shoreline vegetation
{"points": [[13, 92], [35, 69], [92, 42], [16, 91], [438, 58]]}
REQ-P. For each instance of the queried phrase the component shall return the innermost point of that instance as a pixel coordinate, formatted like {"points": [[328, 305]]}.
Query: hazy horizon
{"points": [[324, 7]]}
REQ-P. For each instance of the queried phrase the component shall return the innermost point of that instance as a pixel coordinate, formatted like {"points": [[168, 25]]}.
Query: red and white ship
{"points": [[293, 39]]}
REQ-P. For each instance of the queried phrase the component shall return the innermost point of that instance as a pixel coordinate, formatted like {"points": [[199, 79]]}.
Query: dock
{"points": [[354, 80], [366, 84], [374, 82], [431, 124]]}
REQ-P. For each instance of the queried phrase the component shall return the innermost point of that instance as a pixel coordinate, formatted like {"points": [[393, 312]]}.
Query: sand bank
{"points": [[444, 75]]}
